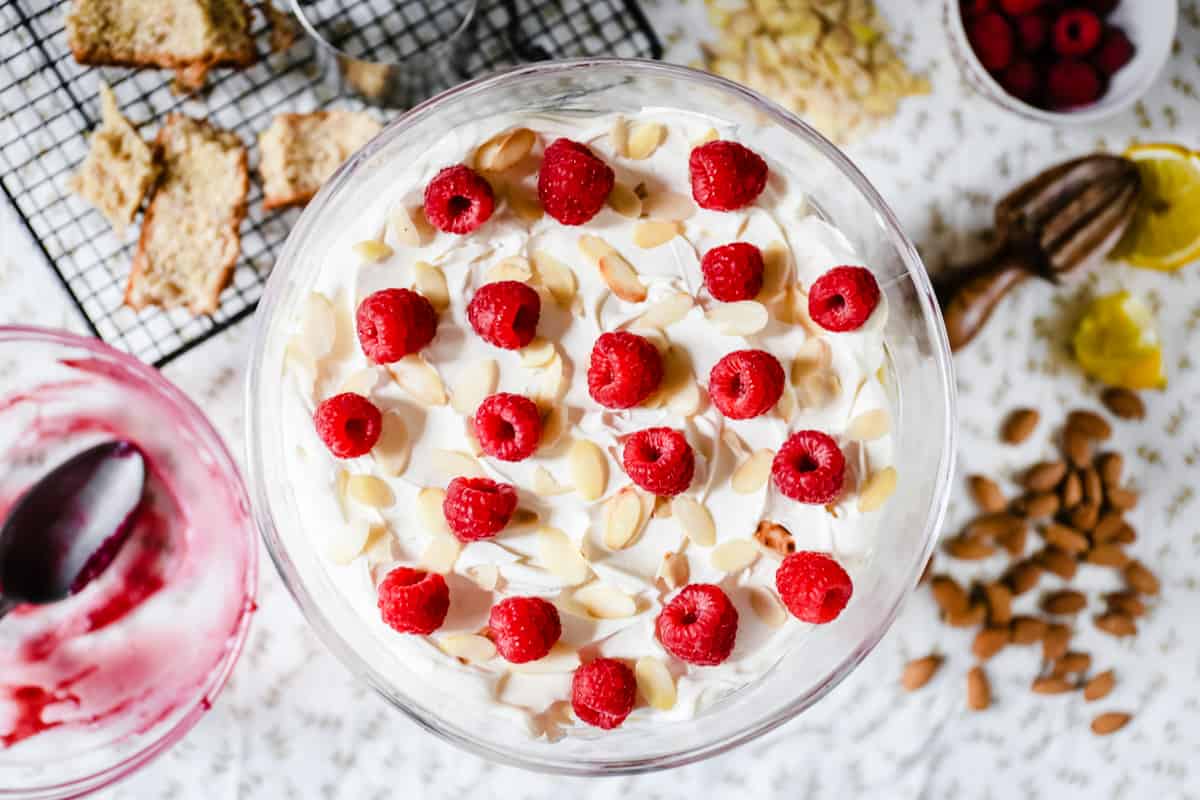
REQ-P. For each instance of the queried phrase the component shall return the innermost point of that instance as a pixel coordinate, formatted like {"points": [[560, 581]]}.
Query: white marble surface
{"points": [[294, 724]]}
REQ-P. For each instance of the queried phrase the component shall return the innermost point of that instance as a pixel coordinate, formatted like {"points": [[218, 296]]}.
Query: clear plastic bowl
{"points": [[131, 664], [923, 410]]}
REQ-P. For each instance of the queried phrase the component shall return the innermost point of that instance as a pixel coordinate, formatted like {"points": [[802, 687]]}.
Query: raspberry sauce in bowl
{"points": [[94, 686]]}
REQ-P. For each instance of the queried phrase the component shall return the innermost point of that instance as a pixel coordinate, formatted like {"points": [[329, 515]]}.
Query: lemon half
{"points": [[1117, 343], [1165, 231]]}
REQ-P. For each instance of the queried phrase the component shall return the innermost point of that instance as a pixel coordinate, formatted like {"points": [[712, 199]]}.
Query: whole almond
{"points": [[1065, 538], [1125, 535], [1023, 576], [1122, 499], [1027, 630], [1059, 562], [1083, 517], [1044, 476], [1019, 425], [776, 538], [1106, 529], [1073, 663], [973, 617], [1123, 403], [979, 694], [1089, 423], [988, 642], [1052, 685], [1107, 555], [1141, 579], [919, 672], [1014, 541], [1110, 465], [1093, 489], [1077, 447], [1055, 642], [1110, 722], [949, 595], [1064, 601], [994, 526], [968, 548], [1099, 686], [1070, 493], [999, 603], [1116, 624], [986, 493], [1038, 505], [1126, 602]]}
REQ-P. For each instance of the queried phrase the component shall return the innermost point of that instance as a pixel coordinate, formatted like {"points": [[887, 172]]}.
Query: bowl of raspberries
{"points": [[1062, 61]]}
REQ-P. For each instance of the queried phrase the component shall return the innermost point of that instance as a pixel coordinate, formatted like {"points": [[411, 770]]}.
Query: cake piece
{"points": [[119, 169], [190, 36], [190, 241], [300, 151]]}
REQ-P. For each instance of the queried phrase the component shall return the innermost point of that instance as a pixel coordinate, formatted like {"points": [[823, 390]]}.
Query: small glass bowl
{"points": [[923, 411], [58, 393]]}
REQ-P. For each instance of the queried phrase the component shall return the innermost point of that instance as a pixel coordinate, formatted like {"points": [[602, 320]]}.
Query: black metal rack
{"points": [[50, 104]]}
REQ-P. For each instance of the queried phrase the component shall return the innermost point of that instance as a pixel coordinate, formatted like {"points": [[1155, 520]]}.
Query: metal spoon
{"points": [[67, 528]]}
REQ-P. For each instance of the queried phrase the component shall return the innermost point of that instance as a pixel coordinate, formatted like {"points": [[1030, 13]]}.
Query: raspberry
{"points": [[573, 183], [726, 176], [809, 468], [991, 38], [1018, 7], [1072, 84], [813, 586], [699, 625], [843, 299], [659, 460], [624, 370], [508, 426], [478, 508], [458, 200], [973, 8], [505, 314], [746, 383], [1031, 32], [524, 628], [733, 272], [413, 601], [1114, 52], [1021, 80], [1077, 32], [603, 692], [349, 424], [393, 323]]}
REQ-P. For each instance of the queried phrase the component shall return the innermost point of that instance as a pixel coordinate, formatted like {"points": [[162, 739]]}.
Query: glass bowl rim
{"points": [[276, 286]]}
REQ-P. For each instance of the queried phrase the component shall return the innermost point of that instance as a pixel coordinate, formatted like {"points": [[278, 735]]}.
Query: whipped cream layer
{"points": [[837, 381]]}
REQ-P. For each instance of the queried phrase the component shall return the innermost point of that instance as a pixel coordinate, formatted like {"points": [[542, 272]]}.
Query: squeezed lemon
{"points": [[1116, 342]]}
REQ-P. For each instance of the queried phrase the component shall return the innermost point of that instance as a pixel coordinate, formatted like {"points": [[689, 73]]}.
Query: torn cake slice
{"points": [[119, 168], [299, 152], [190, 240]]}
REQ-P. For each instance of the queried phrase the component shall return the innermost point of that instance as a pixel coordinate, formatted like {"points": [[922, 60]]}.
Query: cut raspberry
{"points": [[813, 586], [1016, 8], [699, 625], [573, 183], [1022, 81], [478, 508], [726, 176], [413, 601], [505, 314], [843, 299], [746, 383], [1031, 33], [603, 692], [624, 370], [524, 628], [809, 468], [1077, 32], [393, 323], [1072, 84], [349, 424], [1114, 52], [458, 200], [659, 460], [508, 426], [733, 272], [991, 38], [973, 8]]}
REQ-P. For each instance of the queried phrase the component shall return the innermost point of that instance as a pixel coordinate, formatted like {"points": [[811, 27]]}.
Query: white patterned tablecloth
{"points": [[293, 723]]}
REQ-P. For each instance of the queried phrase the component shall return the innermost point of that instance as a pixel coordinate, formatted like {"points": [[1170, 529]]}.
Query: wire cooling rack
{"points": [[50, 104]]}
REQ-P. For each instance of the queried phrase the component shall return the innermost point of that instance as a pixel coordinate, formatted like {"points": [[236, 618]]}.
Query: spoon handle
{"points": [[969, 294], [6, 605]]}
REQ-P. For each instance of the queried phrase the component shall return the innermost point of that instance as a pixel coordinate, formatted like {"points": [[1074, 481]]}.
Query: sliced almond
{"points": [[513, 268], [652, 233], [361, 381], [622, 519], [455, 464], [419, 380], [406, 227], [550, 382], [594, 248], [318, 326], [545, 485], [785, 409], [469, 647], [372, 251], [644, 139], [751, 475], [818, 390], [369, 491], [655, 683], [876, 490], [734, 555], [674, 570], [429, 510], [620, 276], [625, 201], [618, 135], [589, 469], [767, 606], [430, 281], [476, 382], [869, 425], [485, 576], [814, 355], [709, 135], [775, 270], [694, 519], [670, 206], [554, 424], [538, 353], [562, 658], [440, 554], [603, 601], [523, 518], [504, 150], [556, 276], [687, 401], [561, 557], [667, 310], [524, 203], [348, 541], [392, 449], [743, 318]]}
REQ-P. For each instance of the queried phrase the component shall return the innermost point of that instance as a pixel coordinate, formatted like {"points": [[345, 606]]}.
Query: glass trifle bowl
{"points": [[607, 554]]}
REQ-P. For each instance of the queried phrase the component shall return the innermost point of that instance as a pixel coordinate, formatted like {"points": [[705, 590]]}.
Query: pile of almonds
{"points": [[1077, 506]]}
